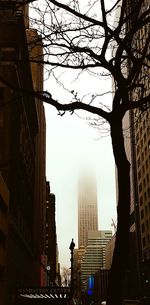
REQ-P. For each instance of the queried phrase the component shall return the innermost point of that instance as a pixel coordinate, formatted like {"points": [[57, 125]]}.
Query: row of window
{"points": [[144, 120], [145, 180], [146, 212], [145, 165], [146, 194], [26, 146], [145, 226], [23, 226], [146, 241], [140, 147]]}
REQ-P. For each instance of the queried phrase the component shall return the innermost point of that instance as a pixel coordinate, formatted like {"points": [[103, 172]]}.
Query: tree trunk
{"points": [[120, 256]]}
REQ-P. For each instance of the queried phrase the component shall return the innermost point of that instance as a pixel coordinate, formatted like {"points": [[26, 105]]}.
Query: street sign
{"points": [[44, 293]]}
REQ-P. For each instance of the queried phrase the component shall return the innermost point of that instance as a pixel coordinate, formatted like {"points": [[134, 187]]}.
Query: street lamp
{"points": [[72, 245]]}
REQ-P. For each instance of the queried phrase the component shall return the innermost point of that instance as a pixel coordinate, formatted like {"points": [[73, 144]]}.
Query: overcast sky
{"points": [[72, 145]]}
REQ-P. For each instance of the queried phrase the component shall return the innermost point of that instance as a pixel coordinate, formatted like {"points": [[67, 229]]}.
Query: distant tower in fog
{"points": [[87, 207]]}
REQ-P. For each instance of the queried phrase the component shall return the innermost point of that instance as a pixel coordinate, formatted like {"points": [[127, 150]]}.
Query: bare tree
{"points": [[66, 273], [81, 36]]}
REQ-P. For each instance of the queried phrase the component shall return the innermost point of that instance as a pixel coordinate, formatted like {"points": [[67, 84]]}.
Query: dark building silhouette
{"points": [[19, 127], [51, 239], [35, 48], [22, 151], [137, 144], [100, 285], [139, 120]]}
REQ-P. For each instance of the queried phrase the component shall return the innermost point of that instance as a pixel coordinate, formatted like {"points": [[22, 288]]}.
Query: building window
{"points": [[143, 168], [142, 147], [140, 187], [139, 175], [144, 242], [143, 227], [146, 209], [142, 213], [147, 178], [139, 162], [145, 196], [137, 137], [144, 137], [141, 200]]}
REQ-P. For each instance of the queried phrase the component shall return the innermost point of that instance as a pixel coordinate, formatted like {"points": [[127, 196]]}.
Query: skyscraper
{"points": [[22, 152], [140, 148], [94, 257], [51, 244], [18, 131], [87, 207], [35, 48]]}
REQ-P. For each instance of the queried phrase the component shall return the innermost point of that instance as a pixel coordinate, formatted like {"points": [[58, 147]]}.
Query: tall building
{"points": [[58, 276], [51, 249], [101, 279], [87, 207], [140, 150], [77, 259], [22, 148], [43, 271], [35, 48], [19, 127], [94, 257], [136, 125]]}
